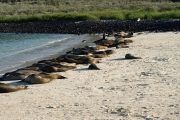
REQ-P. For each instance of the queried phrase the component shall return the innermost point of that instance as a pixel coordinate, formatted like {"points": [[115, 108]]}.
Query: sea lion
{"points": [[102, 54], [109, 52], [93, 67], [98, 55], [70, 58], [106, 42], [99, 47], [50, 69], [82, 51], [128, 41], [31, 68], [95, 47], [42, 78], [79, 51], [12, 76], [6, 88], [129, 56], [122, 46], [105, 52], [19, 74]]}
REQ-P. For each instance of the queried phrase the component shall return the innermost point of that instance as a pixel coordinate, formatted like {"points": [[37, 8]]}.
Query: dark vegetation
{"points": [[46, 10]]}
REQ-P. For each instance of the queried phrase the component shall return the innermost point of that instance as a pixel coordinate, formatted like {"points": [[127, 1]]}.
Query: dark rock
{"points": [[105, 26]]}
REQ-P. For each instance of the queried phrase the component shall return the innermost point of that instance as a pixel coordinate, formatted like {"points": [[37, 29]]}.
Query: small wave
{"points": [[56, 41], [36, 48]]}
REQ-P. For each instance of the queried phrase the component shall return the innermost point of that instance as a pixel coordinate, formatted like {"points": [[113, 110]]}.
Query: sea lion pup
{"points": [[19, 74], [42, 78], [6, 88], [93, 67], [129, 56], [70, 58]]}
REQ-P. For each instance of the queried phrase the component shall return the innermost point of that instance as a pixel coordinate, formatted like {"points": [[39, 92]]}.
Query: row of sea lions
{"points": [[44, 71]]}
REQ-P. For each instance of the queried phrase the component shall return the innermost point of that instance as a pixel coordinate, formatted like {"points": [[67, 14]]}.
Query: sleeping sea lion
{"points": [[82, 51], [99, 47], [12, 76], [98, 55], [42, 78], [50, 69], [105, 52], [128, 41], [19, 74], [70, 58], [6, 88]]}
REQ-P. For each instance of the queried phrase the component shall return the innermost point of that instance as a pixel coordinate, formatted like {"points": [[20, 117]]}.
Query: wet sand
{"points": [[143, 89]]}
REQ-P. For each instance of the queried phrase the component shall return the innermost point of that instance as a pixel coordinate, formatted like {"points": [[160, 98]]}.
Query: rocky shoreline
{"points": [[82, 27]]}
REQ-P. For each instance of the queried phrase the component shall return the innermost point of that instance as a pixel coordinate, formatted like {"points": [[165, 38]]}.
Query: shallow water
{"points": [[19, 49]]}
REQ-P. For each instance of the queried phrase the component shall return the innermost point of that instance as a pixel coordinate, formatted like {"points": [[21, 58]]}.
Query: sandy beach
{"points": [[142, 89]]}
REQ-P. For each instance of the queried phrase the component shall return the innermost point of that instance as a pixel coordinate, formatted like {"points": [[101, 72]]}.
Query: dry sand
{"points": [[144, 89]]}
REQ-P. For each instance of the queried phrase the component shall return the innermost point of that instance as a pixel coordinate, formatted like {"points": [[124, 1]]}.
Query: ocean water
{"points": [[17, 50]]}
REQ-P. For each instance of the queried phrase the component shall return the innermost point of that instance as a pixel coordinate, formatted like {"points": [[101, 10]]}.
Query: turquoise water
{"points": [[19, 49]]}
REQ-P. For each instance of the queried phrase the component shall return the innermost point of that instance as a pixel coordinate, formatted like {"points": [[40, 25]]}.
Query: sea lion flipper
{"points": [[93, 67], [62, 77], [130, 56]]}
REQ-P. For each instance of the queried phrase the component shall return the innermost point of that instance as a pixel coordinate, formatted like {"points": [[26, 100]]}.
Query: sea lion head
{"points": [[12, 76]]}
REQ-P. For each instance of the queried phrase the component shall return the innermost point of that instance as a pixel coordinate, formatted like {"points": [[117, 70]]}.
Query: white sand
{"points": [[145, 89]]}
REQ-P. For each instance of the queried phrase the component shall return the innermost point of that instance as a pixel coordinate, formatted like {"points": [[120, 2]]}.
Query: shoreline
{"points": [[147, 88], [82, 27], [89, 38]]}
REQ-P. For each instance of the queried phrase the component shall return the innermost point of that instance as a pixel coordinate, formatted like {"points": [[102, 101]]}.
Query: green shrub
{"points": [[96, 15]]}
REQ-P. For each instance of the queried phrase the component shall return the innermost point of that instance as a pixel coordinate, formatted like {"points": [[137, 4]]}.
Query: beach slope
{"points": [[141, 89]]}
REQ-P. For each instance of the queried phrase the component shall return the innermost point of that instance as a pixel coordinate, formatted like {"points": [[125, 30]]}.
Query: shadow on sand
{"points": [[83, 69]]}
